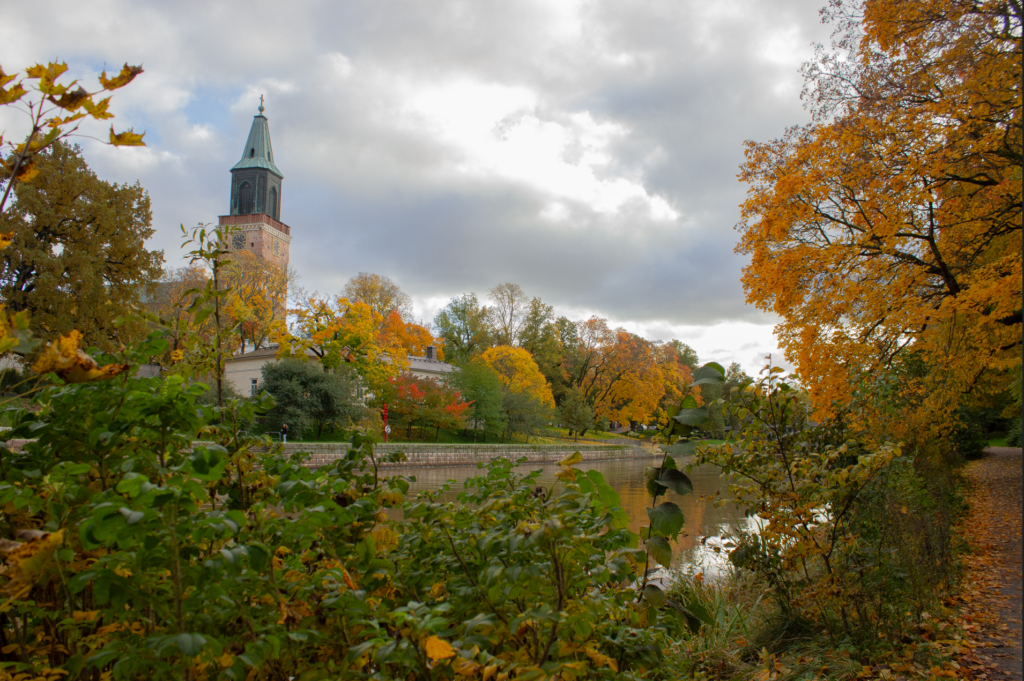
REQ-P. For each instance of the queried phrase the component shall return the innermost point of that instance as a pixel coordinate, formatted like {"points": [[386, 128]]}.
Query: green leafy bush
{"points": [[848, 534], [145, 538]]}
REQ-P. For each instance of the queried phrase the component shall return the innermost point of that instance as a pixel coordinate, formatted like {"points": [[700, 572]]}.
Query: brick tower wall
{"points": [[261, 235]]}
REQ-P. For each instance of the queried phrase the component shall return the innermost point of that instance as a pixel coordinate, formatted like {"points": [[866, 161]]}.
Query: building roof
{"points": [[258, 152], [268, 353], [433, 366]]}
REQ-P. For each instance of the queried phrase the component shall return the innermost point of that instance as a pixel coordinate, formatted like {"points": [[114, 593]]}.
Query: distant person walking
{"points": [[284, 432]]}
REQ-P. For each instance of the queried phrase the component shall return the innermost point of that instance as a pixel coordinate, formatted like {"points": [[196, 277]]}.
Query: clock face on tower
{"points": [[237, 242]]}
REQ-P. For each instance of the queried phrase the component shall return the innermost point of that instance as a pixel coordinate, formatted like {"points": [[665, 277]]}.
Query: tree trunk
{"points": [[437, 432]]}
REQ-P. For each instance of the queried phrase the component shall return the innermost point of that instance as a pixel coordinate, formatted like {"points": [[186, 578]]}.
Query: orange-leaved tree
{"points": [[887, 235], [631, 384], [413, 338]]}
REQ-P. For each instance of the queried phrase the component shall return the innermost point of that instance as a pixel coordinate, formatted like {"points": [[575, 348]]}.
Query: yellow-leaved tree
{"points": [[340, 332], [258, 298], [887, 235], [518, 372]]}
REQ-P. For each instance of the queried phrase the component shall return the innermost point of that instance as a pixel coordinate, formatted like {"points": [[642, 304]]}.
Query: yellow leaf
{"points": [[128, 138], [465, 667], [126, 76], [601, 659], [437, 649], [71, 99], [28, 562], [65, 358], [571, 460], [566, 473]]}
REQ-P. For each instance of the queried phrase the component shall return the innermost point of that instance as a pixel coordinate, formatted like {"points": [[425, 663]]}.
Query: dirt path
{"points": [[992, 594]]}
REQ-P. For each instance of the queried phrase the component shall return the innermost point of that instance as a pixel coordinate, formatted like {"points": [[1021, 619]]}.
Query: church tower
{"points": [[255, 210]]}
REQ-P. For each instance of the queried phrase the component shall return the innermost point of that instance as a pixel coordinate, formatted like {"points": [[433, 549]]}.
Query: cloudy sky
{"points": [[587, 151]]}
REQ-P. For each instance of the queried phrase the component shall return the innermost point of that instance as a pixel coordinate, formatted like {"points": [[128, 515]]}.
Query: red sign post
{"points": [[387, 428]]}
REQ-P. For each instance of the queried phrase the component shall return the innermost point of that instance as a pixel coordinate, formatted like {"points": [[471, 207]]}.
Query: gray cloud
{"points": [[648, 97]]}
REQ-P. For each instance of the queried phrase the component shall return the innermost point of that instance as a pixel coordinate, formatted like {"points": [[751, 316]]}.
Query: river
{"points": [[705, 522]]}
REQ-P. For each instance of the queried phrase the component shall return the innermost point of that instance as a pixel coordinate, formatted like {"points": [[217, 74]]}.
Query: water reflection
{"points": [[705, 521]]}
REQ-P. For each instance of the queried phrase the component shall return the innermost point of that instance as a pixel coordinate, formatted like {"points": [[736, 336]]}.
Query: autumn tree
{"points": [[540, 336], [518, 372], [258, 298], [527, 402], [340, 332], [891, 226], [382, 295], [424, 403], [78, 258], [584, 344], [172, 306], [631, 382], [412, 338], [677, 362], [508, 313], [463, 329]]}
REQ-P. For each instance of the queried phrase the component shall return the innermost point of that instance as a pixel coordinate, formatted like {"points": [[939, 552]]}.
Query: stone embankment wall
{"points": [[324, 453]]}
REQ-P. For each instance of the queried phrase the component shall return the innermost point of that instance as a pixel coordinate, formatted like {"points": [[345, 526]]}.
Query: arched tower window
{"points": [[273, 203], [245, 199]]}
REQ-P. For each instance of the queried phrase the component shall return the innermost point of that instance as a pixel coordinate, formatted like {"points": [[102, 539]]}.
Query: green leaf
{"points": [[692, 417], [258, 557], [132, 516], [667, 519], [710, 373], [132, 484], [620, 519], [676, 481], [682, 449], [654, 595], [660, 550], [700, 611], [190, 645], [609, 497], [670, 464], [689, 402]]}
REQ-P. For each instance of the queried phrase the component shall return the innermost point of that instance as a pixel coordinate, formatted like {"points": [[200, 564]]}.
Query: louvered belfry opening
{"points": [[245, 199]]}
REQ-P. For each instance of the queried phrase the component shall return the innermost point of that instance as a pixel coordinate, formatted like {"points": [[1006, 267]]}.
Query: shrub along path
{"points": [[991, 596]]}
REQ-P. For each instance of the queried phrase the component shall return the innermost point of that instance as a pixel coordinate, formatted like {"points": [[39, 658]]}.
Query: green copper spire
{"points": [[258, 153], [255, 180]]}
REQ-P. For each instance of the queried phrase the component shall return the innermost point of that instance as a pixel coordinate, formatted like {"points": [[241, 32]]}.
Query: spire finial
{"points": [[261, 104]]}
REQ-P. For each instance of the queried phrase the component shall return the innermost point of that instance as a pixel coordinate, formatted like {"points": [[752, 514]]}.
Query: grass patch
{"points": [[590, 434], [998, 441]]}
